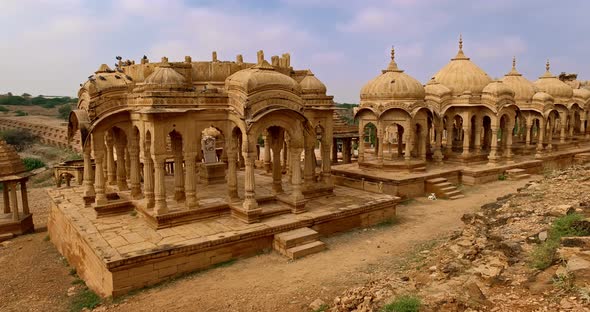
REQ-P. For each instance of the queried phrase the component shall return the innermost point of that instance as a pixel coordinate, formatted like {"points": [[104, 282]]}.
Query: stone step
{"points": [[452, 193], [456, 196], [295, 238], [443, 184], [515, 171], [448, 189], [521, 176], [436, 180], [305, 249]]}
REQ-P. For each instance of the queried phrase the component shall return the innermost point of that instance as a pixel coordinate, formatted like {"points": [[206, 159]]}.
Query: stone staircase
{"points": [[517, 174], [443, 189], [298, 243]]}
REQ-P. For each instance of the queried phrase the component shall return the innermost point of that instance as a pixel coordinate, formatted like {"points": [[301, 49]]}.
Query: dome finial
{"points": [[460, 55], [392, 64], [547, 65], [461, 42], [514, 62]]}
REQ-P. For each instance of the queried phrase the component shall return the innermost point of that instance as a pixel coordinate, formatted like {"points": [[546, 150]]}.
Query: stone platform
{"points": [[119, 253], [413, 184]]}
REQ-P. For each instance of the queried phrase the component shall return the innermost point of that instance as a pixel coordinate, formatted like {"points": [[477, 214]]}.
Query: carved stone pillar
{"points": [[277, 187], [361, 147], [127, 164], [190, 185], [492, 156], [437, 155], [423, 145], [6, 196], [562, 132], [335, 151], [111, 166], [249, 182], [267, 164], [24, 197], [148, 179], [408, 151], [527, 141], [99, 181], [466, 138], [449, 144], [88, 176], [14, 201], [121, 174], [297, 195], [541, 134], [550, 137], [134, 174], [178, 171], [232, 177], [380, 144], [477, 138], [509, 137], [309, 167], [160, 185]]}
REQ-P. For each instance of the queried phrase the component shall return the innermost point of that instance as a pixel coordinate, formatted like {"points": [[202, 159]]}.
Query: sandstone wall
{"points": [[49, 131]]}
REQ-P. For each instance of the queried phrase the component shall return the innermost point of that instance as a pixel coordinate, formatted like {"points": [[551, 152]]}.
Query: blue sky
{"points": [[51, 46]]}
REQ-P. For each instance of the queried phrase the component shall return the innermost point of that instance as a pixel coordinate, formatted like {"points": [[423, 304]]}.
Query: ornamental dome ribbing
{"points": [[461, 75], [393, 84]]}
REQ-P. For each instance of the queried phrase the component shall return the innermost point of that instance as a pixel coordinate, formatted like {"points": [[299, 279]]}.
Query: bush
{"points": [[20, 113], [18, 138], [33, 163], [406, 303], [544, 254], [85, 299], [3, 109], [64, 111], [502, 177]]}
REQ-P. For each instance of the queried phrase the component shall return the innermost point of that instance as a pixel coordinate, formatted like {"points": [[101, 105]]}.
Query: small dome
{"points": [[543, 97], [434, 88], [312, 85], [164, 76], [524, 90], [497, 88], [461, 75], [10, 162], [105, 79], [582, 93], [558, 89], [261, 77], [393, 84]]}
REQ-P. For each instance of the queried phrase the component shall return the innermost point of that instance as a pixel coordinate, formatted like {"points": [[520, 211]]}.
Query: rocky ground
{"points": [[486, 266]]}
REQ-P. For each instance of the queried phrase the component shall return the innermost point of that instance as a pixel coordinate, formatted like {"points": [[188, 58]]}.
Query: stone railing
{"points": [[48, 134]]}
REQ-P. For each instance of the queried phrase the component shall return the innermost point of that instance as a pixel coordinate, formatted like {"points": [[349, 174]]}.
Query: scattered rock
{"points": [[317, 304]]}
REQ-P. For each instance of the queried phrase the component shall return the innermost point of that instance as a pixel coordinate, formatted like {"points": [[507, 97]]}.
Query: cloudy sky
{"points": [[50, 46]]}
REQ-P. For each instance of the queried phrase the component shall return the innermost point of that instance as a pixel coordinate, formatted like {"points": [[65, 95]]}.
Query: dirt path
{"points": [[271, 283]]}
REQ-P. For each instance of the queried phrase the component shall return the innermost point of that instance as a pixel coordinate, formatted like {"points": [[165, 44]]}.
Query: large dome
{"points": [[550, 84], [393, 84], [524, 90], [261, 77], [461, 75], [164, 78]]}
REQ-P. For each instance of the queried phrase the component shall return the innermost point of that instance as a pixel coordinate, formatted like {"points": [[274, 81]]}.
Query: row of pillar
{"points": [[10, 195]]}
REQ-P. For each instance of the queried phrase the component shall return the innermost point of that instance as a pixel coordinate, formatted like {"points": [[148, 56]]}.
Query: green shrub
{"points": [[502, 177], [3, 109], [543, 254], [85, 299], [406, 303], [64, 111], [18, 138], [33, 163], [20, 113]]}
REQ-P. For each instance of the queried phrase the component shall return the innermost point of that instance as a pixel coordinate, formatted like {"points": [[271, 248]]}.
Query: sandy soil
{"points": [[33, 277]]}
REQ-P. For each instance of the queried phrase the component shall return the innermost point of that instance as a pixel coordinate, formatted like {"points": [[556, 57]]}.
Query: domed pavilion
{"points": [[16, 218]]}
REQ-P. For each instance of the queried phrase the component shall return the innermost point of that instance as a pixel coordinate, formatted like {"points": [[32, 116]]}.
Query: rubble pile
{"points": [[486, 266]]}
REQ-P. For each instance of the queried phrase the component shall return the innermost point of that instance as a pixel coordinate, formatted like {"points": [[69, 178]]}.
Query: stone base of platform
{"points": [[117, 254], [22, 226]]}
